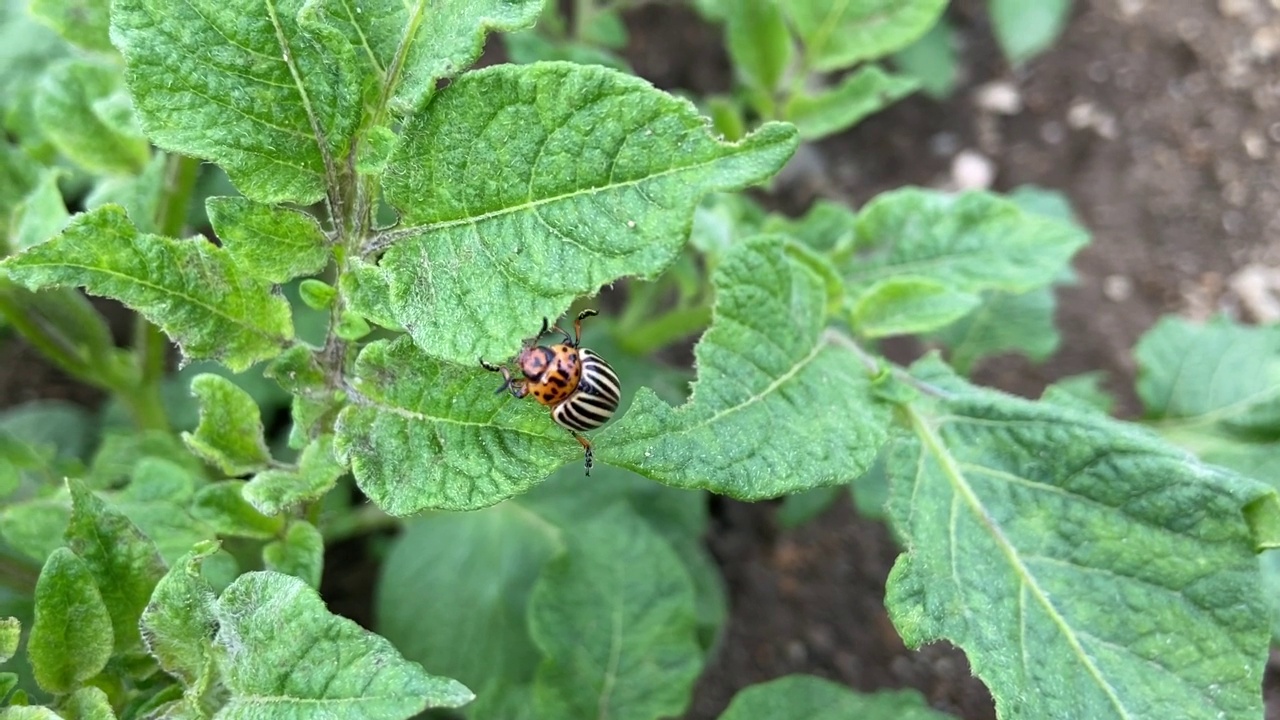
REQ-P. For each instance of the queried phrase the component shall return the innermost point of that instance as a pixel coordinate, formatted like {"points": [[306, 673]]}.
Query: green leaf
{"points": [[10, 633], [530, 46], [300, 553], [120, 452], [32, 712], [124, 562], [804, 697], [614, 617], [179, 622], [71, 637], [83, 23], [8, 681], [1216, 371], [183, 407], [599, 183], [245, 85], [223, 506], [18, 174], [157, 500], [827, 227], [1085, 389], [317, 294], [279, 647], [838, 34], [230, 434], [800, 508], [859, 94], [1111, 563], [477, 631], [1004, 322], [932, 60], [1026, 29], [273, 243], [190, 288], [83, 111], [41, 214], [275, 491], [971, 242], [35, 527], [758, 41], [907, 304], [314, 403], [765, 363], [428, 434], [423, 43], [139, 195], [87, 703]]}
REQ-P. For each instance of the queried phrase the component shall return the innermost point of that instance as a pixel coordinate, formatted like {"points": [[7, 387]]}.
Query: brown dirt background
{"points": [[1159, 119]]}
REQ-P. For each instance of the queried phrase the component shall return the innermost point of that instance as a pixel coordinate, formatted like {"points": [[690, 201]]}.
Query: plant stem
{"points": [[664, 330]]}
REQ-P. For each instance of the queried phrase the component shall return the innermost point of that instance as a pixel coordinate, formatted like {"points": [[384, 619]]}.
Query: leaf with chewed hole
{"points": [[190, 288], [779, 406], [599, 182]]}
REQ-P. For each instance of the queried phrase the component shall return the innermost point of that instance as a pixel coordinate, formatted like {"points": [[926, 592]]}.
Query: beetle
{"points": [[577, 384]]}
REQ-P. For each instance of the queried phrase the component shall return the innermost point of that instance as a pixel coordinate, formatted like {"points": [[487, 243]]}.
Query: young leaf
{"points": [[300, 553], [279, 646], [1026, 29], [1217, 371], [971, 242], [274, 243], [859, 94], [230, 432], [87, 703], [428, 434], [179, 623], [124, 562], [190, 288], [1100, 556], [758, 41], [764, 364], [478, 631], [444, 38], [1003, 322], [81, 22], [614, 617], [599, 183], [804, 697], [223, 506], [10, 633], [41, 214], [71, 637], [932, 60], [274, 491], [244, 84], [837, 35], [907, 304], [77, 111]]}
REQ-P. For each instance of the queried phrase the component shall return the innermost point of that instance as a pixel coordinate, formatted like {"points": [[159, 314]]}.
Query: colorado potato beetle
{"points": [[577, 384]]}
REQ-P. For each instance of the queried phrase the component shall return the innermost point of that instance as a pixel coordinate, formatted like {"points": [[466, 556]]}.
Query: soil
{"points": [[1159, 120]]}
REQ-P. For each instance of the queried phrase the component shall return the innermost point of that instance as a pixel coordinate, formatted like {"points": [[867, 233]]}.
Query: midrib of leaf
{"points": [[353, 17], [935, 445], [391, 76], [615, 658], [161, 290], [821, 345], [828, 26], [318, 135], [408, 414], [906, 268], [417, 230]]}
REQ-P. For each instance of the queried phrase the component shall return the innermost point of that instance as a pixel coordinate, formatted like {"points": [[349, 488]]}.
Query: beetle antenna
{"points": [[577, 327], [506, 375]]}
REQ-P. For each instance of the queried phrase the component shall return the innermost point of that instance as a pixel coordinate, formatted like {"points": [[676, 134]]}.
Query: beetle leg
{"points": [[577, 326], [586, 447], [567, 337], [518, 388]]}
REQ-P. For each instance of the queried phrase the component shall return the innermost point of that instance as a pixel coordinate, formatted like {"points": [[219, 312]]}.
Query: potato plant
{"points": [[384, 218]]}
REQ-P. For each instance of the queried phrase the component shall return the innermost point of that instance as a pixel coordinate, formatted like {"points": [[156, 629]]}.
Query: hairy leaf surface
{"points": [[71, 637], [190, 288], [281, 651], [244, 84], [1086, 568], [513, 170], [765, 364], [839, 34]]}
